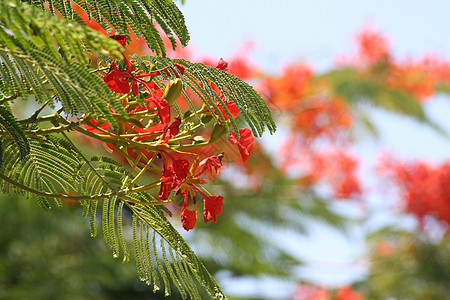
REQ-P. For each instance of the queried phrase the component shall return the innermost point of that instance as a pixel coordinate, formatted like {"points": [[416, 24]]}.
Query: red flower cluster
{"points": [[418, 78], [178, 172], [336, 167], [307, 292], [289, 89], [385, 248], [372, 46], [311, 112], [185, 180], [425, 189]]}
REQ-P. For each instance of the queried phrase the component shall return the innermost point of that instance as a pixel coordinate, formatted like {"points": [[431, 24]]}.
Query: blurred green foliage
{"points": [[50, 255], [407, 265]]}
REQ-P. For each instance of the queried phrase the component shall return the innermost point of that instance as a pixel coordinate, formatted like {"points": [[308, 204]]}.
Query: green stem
{"points": [[127, 199], [118, 139], [143, 188], [46, 131], [133, 167], [191, 146], [143, 169], [59, 196]]}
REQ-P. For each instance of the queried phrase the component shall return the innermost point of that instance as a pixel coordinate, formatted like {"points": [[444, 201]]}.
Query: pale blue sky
{"points": [[317, 32]]}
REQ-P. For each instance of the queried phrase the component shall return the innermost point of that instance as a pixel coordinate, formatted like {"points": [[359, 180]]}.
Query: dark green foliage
{"points": [[139, 15], [53, 167], [44, 56], [417, 267], [50, 167], [9, 124], [51, 256]]}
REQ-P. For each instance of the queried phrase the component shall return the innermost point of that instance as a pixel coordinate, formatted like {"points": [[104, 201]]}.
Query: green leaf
{"points": [[9, 124], [50, 167], [42, 55], [141, 16]]}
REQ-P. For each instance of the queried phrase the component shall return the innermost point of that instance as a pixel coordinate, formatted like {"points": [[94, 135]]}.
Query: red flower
{"points": [[117, 79], [179, 67], [232, 108], [212, 164], [245, 142], [180, 70], [163, 107], [179, 176], [425, 189], [122, 39], [173, 176], [347, 293], [96, 123], [373, 47], [188, 218], [222, 65], [185, 180], [212, 206]]}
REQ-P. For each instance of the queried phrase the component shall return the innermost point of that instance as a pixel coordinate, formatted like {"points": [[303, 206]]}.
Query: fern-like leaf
{"points": [[154, 218], [141, 16], [152, 268], [42, 55], [10, 125], [50, 167]]}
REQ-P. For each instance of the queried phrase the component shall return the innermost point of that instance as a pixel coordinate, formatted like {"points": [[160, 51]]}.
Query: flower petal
{"points": [[212, 206], [163, 108], [213, 164], [245, 143], [116, 80], [135, 87], [173, 176], [188, 218], [172, 130]]}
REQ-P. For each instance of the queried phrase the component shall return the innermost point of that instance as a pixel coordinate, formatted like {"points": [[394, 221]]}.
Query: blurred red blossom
{"points": [[309, 292], [418, 77], [385, 248], [424, 188], [337, 167], [373, 47]]}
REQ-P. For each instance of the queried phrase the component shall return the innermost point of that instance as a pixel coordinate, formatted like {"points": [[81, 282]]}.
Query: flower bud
{"points": [[173, 91], [199, 139], [206, 118]]}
